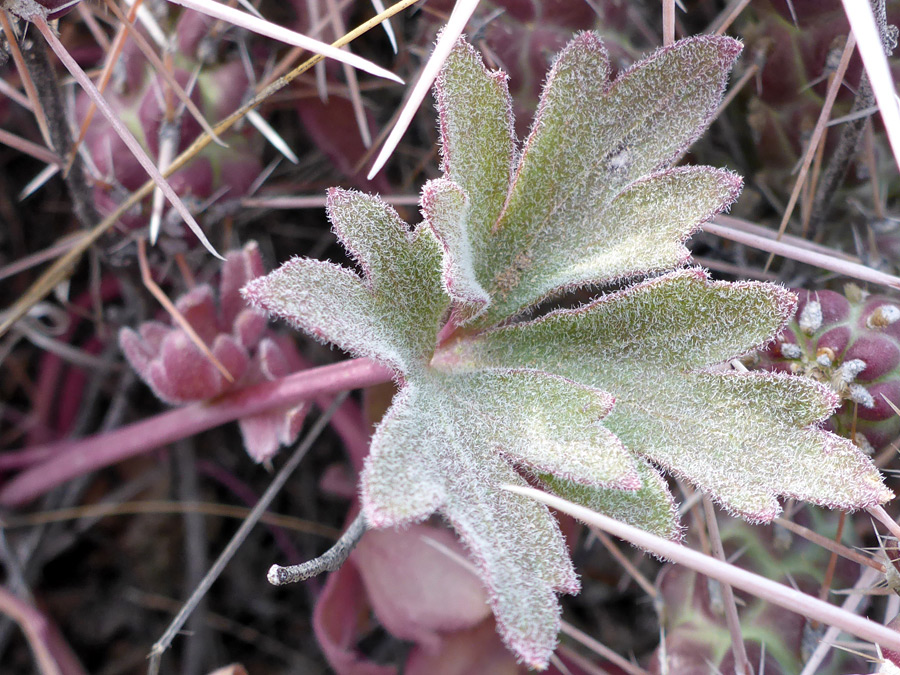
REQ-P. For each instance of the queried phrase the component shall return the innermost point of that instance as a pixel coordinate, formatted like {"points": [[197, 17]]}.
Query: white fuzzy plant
{"points": [[594, 403]]}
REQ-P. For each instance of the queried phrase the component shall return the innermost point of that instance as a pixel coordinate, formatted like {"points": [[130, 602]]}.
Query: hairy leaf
{"points": [[651, 507], [450, 441], [591, 200], [589, 402], [746, 439], [392, 313]]}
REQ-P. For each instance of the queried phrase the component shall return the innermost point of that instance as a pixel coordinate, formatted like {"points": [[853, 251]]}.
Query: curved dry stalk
{"points": [[765, 589], [330, 561], [60, 269]]}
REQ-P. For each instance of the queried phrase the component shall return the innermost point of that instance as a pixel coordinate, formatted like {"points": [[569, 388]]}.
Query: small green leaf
{"points": [[477, 136], [450, 441], [392, 313], [445, 208], [651, 507], [745, 439], [589, 202]]}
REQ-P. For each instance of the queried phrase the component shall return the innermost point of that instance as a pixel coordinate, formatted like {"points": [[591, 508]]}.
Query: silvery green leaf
{"points": [[746, 439], [593, 198]]}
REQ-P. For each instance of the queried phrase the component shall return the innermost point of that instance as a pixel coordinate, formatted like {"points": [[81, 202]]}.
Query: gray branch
{"points": [[329, 561]]}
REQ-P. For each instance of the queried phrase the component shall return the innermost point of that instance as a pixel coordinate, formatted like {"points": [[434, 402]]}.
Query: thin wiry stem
{"points": [[741, 661], [765, 589], [329, 561], [271, 492], [109, 509]]}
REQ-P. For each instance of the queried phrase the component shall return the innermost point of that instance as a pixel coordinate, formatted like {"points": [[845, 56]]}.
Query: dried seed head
{"points": [[789, 350], [884, 315], [850, 369], [859, 394], [824, 355], [811, 317]]}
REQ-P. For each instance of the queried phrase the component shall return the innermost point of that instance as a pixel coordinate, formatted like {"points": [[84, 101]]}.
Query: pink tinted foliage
{"points": [[327, 125], [416, 583], [340, 619], [416, 589], [178, 372]]}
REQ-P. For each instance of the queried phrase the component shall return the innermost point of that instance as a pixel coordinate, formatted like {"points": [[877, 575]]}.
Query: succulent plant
{"points": [[789, 92], [144, 101], [592, 402], [691, 608], [178, 372], [851, 343]]}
